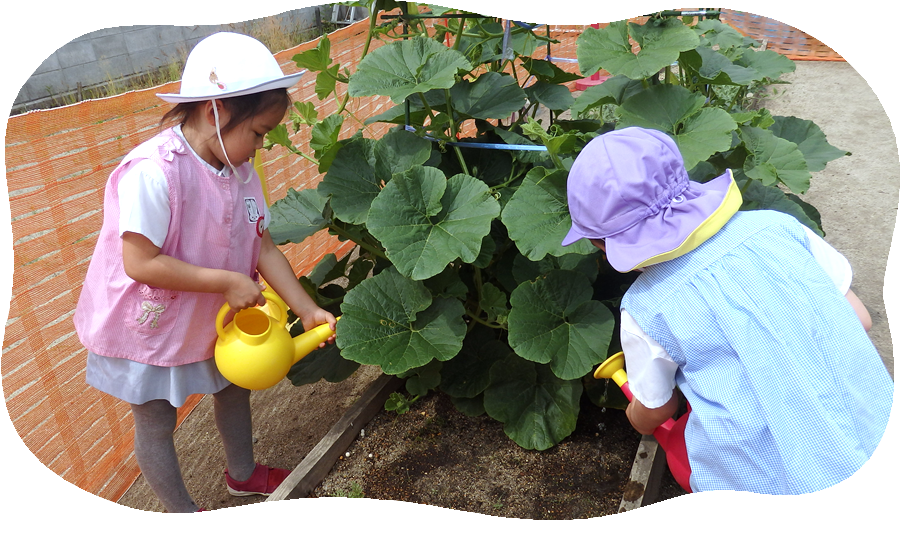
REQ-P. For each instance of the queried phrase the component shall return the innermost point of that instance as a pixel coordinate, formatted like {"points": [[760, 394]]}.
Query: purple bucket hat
{"points": [[629, 187]]}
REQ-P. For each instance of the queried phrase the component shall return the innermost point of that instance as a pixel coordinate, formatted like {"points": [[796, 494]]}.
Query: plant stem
{"points": [[481, 321]]}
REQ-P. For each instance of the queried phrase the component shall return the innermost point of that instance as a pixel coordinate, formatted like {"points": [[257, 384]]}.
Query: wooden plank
{"points": [[643, 486], [313, 469]]}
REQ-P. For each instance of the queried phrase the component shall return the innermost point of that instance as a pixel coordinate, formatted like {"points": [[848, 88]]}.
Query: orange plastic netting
{"points": [[57, 162]]}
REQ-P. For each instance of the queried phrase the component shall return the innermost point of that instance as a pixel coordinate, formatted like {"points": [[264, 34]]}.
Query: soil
{"points": [[437, 456]]}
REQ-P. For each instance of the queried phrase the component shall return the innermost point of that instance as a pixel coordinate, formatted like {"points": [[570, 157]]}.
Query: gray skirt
{"points": [[137, 383]]}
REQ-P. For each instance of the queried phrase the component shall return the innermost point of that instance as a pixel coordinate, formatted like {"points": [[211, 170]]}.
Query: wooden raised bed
{"points": [[641, 489]]}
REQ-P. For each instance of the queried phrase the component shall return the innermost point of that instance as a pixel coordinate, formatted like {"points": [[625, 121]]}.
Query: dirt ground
{"points": [[434, 455]]}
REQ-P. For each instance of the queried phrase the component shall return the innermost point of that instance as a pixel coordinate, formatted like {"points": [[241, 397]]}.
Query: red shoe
{"points": [[204, 531], [263, 481]]}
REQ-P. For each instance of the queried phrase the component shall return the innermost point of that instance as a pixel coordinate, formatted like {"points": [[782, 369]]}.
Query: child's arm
{"points": [[646, 420], [277, 272], [144, 263], [860, 310]]}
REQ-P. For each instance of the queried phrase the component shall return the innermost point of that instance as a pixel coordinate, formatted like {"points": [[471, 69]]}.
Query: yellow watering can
{"points": [[255, 350]]}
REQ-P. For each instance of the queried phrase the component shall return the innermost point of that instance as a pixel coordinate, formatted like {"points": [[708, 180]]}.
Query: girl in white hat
{"points": [[184, 231]]}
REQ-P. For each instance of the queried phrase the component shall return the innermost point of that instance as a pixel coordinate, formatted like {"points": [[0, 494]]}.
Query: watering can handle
{"points": [[272, 301]]}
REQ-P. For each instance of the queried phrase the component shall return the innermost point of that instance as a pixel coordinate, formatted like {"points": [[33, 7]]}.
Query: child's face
{"points": [[242, 141]]}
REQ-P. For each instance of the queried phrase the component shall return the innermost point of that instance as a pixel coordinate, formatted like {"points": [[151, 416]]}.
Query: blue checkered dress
{"points": [[788, 394]]}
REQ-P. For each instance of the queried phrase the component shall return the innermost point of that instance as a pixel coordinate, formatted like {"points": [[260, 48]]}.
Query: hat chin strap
{"points": [[222, 145]]}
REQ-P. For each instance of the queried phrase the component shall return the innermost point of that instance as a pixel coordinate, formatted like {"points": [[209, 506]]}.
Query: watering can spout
{"points": [[310, 340], [669, 434]]}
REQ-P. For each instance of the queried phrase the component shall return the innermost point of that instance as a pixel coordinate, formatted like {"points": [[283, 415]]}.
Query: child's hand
{"points": [[318, 317], [244, 292]]}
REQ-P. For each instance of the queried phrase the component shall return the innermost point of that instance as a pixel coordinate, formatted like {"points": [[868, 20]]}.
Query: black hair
{"points": [[239, 108]]}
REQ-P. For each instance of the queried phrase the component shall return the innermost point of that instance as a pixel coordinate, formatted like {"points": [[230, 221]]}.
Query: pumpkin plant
{"points": [[458, 282]]}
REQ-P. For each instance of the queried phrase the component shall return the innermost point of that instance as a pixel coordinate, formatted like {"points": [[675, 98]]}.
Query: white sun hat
{"points": [[228, 64]]}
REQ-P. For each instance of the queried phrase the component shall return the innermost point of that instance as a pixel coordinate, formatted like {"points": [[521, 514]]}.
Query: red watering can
{"points": [[669, 434]]}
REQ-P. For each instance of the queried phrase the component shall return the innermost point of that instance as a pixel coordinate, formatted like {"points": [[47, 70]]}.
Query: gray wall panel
{"points": [[49, 47]]}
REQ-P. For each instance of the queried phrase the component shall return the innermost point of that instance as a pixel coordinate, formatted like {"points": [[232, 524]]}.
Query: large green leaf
{"points": [[297, 216], [698, 131], [713, 67], [524, 269], [491, 95], [392, 321], [768, 64], [660, 41], [555, 97], [399, 151], [762, 197], [352, 182], [546, 71], [469, 373], [704, 134], [773, 160], [537, 216], [719, 36], [407, 67], [316, 59], [523, 156], [421, 380], [554, 320], [809, 138], [324, 140], [614, 90], [538, 410], [425, 221], [322, 364]]}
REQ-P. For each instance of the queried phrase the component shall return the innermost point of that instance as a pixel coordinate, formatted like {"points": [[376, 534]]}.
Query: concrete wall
{"points": [[57, 44]]}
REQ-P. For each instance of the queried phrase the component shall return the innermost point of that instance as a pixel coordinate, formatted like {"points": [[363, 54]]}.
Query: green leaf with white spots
{"points": [[393, 322]]}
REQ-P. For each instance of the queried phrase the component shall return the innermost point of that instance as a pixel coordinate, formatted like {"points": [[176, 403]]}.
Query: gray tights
{"points": [[154, 445]]}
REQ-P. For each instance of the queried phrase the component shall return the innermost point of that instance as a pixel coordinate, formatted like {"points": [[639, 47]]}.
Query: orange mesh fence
{"points": [[31, 521], [70, 442], [825, 30]]}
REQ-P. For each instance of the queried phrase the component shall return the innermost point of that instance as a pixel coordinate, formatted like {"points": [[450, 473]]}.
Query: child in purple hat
{"points": [[750, 314]]}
